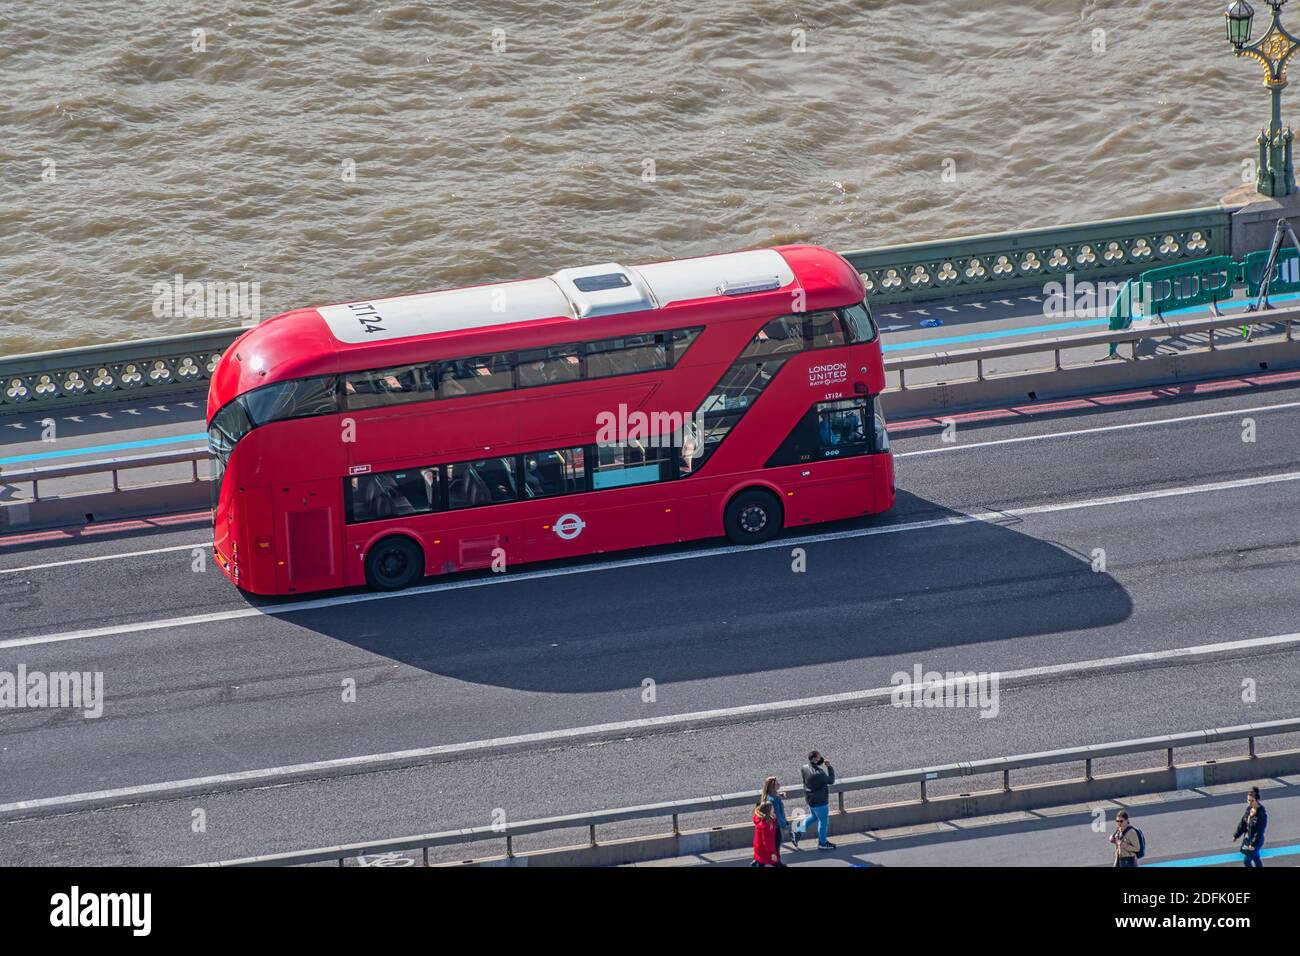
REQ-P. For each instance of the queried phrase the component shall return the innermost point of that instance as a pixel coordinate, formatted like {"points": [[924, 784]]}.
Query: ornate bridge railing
{"points": [[99, 374], [974, 265]]}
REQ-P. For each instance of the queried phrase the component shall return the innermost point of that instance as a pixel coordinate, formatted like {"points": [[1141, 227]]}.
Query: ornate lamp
{"points": [[1273, 51], [1240, 15]]}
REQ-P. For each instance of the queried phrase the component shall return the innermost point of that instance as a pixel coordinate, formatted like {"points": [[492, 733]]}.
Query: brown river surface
{"points": [[333, 151]]}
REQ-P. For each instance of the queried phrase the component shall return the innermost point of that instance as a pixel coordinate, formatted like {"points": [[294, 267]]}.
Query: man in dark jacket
{"points": [[818, 775], [1251, 829]]}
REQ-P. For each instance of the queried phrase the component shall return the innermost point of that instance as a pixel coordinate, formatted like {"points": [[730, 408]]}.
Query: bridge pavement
{"points": [[1188, 828]]}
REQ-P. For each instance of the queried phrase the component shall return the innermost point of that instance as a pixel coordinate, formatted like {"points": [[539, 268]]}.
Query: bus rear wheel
{"points": [[752, 517], [394, 563]]}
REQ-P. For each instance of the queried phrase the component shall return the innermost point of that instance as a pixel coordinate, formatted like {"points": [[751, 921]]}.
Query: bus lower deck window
{"points": [[484, 482]]}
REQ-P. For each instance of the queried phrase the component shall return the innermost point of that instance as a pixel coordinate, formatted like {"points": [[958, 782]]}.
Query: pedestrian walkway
{"points": [[1184, 828]]}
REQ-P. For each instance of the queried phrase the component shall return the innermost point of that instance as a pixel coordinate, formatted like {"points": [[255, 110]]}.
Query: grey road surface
{"points": [[1144, 528]]}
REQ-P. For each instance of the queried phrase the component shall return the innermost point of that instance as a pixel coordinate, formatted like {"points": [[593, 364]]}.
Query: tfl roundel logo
{"points": [[569, 526]]}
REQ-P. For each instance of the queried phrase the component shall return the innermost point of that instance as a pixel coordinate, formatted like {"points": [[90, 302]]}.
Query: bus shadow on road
{"points": [[838, 594]]}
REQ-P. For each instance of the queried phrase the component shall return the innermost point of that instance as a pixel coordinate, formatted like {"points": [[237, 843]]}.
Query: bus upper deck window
{"points": [[299, 398], [626, 355], [549, 366], [780, 335], [858, 323], [484, 373], [824, 330]]}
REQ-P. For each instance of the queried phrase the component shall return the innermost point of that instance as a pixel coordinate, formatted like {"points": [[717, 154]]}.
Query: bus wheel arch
{"points": [[394, 562], [753, 515]]}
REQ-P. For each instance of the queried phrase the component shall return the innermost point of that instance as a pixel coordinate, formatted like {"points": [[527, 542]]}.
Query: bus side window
{"points": [[626, 355], [550, 473], [484, 482], [683, 339], [824, 330], [700, 444], [391, 494], [784, 334], [388, 386], [483, 373], [740, 386], [621, 465], [559, 363]]}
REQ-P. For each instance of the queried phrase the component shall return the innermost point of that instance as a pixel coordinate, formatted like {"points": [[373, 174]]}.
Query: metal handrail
{"points": [[1163, 330], [35, 476], [678, 808]]}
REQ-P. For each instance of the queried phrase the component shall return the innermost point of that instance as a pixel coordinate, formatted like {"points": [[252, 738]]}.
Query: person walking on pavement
{"points": [[818, 775], [1251, 829], [765, 838], [771, 792], [1127, 840]]}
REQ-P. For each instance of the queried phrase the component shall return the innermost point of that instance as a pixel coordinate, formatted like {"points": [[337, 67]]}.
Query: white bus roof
{"points": [[581, 293]]}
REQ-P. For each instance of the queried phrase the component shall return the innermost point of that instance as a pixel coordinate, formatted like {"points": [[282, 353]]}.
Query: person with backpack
{"points": [[1130, 844], [1251, 829], [771, 792], [765, 838], [818, 775]]}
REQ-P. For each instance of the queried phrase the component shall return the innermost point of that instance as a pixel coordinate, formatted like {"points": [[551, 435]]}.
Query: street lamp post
{"points": [[1276, 175]]}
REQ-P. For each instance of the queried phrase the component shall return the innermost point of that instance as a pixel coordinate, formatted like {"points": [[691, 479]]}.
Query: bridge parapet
{"points": [[121, 371], [1094, 251]]}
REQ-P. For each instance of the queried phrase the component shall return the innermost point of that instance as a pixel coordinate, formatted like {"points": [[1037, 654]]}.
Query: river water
{"points": [[330, 151]]}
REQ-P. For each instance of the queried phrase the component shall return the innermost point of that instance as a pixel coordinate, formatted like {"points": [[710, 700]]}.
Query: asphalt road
{"points": [[1197, 526]]}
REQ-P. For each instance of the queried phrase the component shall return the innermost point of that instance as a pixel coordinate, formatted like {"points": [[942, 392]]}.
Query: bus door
{"points": [[308, 540], [822, 462], [482, 527], [838, 435], [632, 500]]}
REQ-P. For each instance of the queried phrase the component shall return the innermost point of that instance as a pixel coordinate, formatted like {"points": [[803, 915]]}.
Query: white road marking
{"points": [[1101, 428], [763, 710], [205, 545], [958, 518]]}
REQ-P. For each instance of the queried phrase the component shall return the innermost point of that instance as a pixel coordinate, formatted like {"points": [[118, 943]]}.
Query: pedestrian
{"points": [[765, 838], [1130, 845], [771, 792], [818, 775], [1251, 829]]}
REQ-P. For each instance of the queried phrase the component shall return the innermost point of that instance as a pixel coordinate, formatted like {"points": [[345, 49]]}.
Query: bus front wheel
{"points": [[394, 563], [752, 517]]}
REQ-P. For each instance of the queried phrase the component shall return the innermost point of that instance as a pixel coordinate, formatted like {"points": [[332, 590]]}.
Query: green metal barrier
{"points": [[1286, 274], [1202, 282], [1121, 313]]}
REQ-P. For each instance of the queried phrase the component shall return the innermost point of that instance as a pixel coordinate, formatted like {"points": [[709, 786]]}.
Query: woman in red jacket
{"points": [[765, 850]]}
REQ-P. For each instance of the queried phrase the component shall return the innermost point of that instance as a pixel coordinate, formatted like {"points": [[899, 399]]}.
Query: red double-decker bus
{"points": [[596, 409]]}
